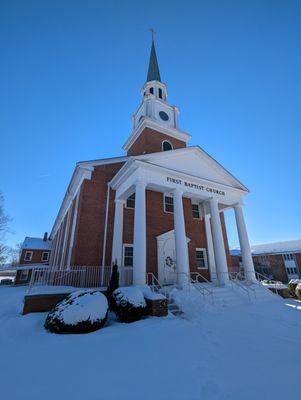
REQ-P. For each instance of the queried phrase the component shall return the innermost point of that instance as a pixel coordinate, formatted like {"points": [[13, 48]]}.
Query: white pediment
{"points": [[195, 162]]}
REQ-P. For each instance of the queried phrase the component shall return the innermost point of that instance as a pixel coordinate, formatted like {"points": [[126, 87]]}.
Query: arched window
{"points": [[166, 146], [160, 93], [151, 90]]}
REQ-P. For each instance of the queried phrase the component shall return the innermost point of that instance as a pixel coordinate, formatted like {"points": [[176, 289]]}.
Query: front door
{"points": [[169, 261], [167, 258]]}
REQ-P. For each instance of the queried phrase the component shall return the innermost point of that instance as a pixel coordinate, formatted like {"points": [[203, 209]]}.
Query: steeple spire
{"points": [[153, 73]]}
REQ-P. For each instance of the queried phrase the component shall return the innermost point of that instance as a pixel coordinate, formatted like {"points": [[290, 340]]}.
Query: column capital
{"points": [[119, 201], [178, 191], [239, 204], [213, 200], [140, 183]]}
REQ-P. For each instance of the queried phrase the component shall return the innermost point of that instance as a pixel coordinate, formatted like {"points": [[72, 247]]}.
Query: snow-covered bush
{"points": [[298, 291], [130, 305], [292, 286], [81, 312]]}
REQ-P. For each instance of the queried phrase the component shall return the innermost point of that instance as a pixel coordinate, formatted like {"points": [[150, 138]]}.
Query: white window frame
{"points": [[166, 141], [25, 272], [123, 254], [196, 204], [168, 212], [126, 202], [204, 250], [42, 258], [30, 255]]}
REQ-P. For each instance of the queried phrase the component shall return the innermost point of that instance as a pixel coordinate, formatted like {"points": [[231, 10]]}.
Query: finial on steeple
{"points": [[153, 34], [153, 73]]}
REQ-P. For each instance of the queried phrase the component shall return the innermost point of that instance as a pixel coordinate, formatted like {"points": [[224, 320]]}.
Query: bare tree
{"points": [[4, 221], [15, 253]]}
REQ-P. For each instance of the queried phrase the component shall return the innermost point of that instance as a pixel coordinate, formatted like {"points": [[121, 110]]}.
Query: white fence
{"points": [[78, 276], [75, 276]]}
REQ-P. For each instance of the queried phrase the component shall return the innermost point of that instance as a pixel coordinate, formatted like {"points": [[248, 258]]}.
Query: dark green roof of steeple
{"points": [[153, 73]]}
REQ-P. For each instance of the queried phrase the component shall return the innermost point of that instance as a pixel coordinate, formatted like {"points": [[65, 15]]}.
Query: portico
{"points": [[144, 173]]}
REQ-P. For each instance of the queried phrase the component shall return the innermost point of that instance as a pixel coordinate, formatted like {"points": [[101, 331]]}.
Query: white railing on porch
{"points": [[75, 276], [125, 276]]}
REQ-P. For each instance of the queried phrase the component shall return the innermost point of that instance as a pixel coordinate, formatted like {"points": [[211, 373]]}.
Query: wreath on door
{"points": [[169, 262]]}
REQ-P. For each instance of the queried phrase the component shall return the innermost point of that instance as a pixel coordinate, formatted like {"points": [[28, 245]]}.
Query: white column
{"points": [[182, 258], [218, 243], [118, 233], [139, 257], [210, 249], [244, 243]]}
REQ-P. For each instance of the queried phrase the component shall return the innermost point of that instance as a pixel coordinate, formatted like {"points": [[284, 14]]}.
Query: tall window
{"points": [[168, 204], [201, 259], [195, 211], [151, 90], [28, 256], [128, 252], [130, 202], [160, 93], [166, 145]]}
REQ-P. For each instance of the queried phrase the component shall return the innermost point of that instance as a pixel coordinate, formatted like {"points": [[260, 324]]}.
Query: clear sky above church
{"points": [[70, 77]]}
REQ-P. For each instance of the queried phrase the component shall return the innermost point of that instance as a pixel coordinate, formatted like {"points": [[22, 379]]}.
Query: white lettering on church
{"points": [[195, 186]]}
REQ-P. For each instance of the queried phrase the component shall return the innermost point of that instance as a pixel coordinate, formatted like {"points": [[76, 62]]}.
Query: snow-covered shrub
{"points": [[81, 312], [298, 291], [292, 286], [130, 305]]}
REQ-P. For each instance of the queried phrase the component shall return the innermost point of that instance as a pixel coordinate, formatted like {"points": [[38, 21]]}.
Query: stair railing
{"points": [[197, 279], [154, 284], [277, 285]]}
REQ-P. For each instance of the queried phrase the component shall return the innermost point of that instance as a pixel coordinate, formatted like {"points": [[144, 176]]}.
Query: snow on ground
{"points": [[3, 277], [252, 351]]}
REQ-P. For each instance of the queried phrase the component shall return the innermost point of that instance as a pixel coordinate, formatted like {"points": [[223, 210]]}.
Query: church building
{"points": [[158, 209]]}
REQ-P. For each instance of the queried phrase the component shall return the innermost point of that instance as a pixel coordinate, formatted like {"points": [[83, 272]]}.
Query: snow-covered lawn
{"points": [[246, 352]]}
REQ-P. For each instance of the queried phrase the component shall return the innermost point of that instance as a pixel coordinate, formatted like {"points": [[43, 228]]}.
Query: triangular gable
{"points": [[195, 162]]}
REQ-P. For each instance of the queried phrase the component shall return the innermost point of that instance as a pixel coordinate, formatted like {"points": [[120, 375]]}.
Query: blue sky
{"points": [[70, 76]]}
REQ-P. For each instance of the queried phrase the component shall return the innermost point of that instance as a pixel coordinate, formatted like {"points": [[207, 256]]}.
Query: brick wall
{"points": [[89, 232], [150, 141], [36, 259]]}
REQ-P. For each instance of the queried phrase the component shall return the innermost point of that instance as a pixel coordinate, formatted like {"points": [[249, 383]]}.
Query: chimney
{"points": [[45, 236]]}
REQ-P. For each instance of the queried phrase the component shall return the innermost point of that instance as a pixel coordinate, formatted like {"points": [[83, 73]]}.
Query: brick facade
{"points": [[150, 141], [90, 226], [270, 264], [36, 259]]}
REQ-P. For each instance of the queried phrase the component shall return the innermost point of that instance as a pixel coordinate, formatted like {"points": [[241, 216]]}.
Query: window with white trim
{"points": [[28, 256], [168, 204], [130, 201], [45, 256], [195, 211], [24, 275], [201, 258], [166, 145], [128, 253]]}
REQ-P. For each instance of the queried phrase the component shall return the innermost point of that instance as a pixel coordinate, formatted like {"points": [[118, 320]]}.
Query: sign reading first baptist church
{"points": [[195, 186]]}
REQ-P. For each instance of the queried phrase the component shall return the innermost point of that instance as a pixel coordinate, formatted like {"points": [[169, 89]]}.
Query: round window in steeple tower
{"points": [[163, 116]]}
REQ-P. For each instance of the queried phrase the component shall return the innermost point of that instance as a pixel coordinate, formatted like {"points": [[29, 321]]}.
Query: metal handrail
{"points": [[203, 290], [155, 285], [238, 277], [260, 277], [196, 280]]}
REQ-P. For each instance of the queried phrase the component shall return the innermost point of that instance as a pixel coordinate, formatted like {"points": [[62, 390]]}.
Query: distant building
{"points": [[35, 252], [280, 260]]}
